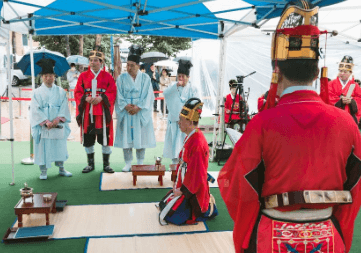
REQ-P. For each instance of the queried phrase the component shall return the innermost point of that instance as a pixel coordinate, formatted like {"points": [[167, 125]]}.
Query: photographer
{"points": [[232, 115], [164, 81]]}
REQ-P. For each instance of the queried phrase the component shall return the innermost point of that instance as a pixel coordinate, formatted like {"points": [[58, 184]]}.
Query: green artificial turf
{"points": [[84, 189], [80, 189]]}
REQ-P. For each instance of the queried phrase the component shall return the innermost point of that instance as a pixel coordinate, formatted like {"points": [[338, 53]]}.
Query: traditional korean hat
{"points": [[135, 51], [296, 37], [47, 66], [97, 53], [192, 109], [232, 83], [346, 63], [184, 67]]}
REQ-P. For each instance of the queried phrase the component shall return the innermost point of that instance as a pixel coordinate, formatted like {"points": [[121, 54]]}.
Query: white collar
{"points": [[297, 88]]}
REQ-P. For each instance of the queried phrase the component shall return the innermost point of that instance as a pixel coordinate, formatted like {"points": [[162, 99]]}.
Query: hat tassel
{"points": [[324, 86], [271, 98]]}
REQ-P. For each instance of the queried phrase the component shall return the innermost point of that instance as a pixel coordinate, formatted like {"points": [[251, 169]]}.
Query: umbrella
{"points": [[167, 63], [61, 65], [78, 60], [186, 58], [153, 57]]}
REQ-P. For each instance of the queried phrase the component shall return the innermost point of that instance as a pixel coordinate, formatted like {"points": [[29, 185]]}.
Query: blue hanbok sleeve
{"points": [[145, 102], [37, 116], [64, 108], [120, 102]]}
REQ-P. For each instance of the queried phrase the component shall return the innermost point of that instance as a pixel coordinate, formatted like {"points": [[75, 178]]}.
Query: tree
{"points": [[167, 45]]}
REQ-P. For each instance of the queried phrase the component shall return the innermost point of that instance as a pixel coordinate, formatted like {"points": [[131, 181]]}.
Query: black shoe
{"points": [[106, 167], [90, 166]]}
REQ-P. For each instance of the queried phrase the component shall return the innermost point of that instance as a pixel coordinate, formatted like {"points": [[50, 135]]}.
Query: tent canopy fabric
{"points": [[177, 18]]}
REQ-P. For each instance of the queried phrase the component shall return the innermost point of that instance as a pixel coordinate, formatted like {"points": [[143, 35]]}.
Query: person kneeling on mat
{"points": [[190, 200]]}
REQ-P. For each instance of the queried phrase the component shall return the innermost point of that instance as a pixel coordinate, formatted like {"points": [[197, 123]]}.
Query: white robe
{"points": [[47, 104], [134, 131], [175, 98]]}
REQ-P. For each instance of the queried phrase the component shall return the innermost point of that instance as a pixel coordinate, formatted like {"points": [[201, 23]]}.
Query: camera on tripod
{"points": [[240, 83]]}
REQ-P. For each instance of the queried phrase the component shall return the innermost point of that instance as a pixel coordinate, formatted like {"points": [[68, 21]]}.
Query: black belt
{"points": [[307, 197]]}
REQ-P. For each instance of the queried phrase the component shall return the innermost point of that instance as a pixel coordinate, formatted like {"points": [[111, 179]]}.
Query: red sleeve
{"points": [[228, 103], [111, 91], [238, 183], [333, 92], [346, 214], [79, 91], [357, 97], [260, 104]]}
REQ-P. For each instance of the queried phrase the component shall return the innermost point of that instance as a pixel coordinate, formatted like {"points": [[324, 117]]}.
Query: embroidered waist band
{"points": [[307, 197]]}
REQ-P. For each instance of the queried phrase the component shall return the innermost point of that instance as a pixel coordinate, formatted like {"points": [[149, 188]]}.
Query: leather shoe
{"points": [[108, 170], [87, 169]]}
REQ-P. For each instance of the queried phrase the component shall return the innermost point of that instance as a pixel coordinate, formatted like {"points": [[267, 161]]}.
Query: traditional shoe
{"points": [[108, 169], [90, 166], [106, 164], [87, 169], [43, 175], [127, 167], [65, 173]]}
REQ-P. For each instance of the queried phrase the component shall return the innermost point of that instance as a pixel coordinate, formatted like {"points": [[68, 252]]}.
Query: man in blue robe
{"points": [[49, 118], [133, 107], [175, 96]]}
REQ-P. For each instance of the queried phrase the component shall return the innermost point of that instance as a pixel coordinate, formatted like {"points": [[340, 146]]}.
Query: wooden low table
{"points": [[148, 170], [37, 206], [173, 169]]}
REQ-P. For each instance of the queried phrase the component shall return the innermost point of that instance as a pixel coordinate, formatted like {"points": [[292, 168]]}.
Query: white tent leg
{"points": [[30, 160], [11, 113], [218, 110]]}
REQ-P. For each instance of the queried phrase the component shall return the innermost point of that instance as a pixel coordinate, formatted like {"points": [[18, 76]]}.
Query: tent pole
{"points": [[11, 113], [30, 160], [219, 124]]}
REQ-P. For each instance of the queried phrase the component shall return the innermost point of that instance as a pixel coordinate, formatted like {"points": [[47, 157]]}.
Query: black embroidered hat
{"points": [[135, 51], [47, 66], [184, 67]]}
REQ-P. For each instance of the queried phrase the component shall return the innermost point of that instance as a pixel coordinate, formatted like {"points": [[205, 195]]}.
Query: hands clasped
{"points": [[94, 101], [132, 109], [52, 124], [346, 100]]}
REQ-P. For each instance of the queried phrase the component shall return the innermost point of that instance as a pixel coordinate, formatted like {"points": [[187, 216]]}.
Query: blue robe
{"points": [[134, 131], [49, 145], [175, 98]]}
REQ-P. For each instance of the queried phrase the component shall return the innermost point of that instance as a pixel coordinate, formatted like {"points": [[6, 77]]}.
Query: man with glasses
{"points": [[344, 92], [175, 96], [134, 110], [95, 94]]}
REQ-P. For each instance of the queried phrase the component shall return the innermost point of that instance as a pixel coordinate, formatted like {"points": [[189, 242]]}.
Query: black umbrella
{"points": [[153, 57]]}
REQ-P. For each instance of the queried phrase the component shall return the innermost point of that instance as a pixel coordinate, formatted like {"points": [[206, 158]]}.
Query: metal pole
{"points": [[11, 115], [30, 160], [2, 138], [218, 110], [20, 104]]}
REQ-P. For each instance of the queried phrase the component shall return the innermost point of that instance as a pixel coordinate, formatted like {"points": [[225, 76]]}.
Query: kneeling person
{"points": [[49, 118], [190, 200]]}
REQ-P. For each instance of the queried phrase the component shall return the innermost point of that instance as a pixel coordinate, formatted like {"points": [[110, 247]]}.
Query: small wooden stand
{"points": [[37, 206], [173, 169], [148, 170]]}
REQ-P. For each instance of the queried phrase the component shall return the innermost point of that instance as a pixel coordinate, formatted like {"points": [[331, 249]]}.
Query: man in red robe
{"points": [[232, 115], [344, 91], [190, 200], [292, 182], [95, 94]]}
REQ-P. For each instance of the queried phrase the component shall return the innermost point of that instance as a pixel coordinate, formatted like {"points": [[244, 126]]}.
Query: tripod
{"points": [[243, 107]]}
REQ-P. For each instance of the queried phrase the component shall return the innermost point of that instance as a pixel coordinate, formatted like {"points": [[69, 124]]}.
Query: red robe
{"points": [[108, 92], [195, 185], [236, 108], [335, 92], [294, 146], [261, 103]]}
